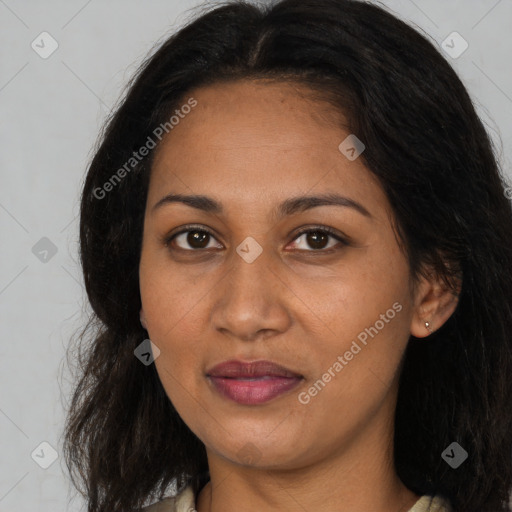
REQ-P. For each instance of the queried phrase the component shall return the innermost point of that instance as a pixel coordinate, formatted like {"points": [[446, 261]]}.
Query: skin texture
{"points": [[251, 145]]}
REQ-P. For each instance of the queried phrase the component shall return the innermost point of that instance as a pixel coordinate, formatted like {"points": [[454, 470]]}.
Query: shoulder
{"points": [[182, 502], [165, 505], [431, 504]]}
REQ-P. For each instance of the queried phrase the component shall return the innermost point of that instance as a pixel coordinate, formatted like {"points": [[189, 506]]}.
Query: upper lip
{"points": [[235, 368]]}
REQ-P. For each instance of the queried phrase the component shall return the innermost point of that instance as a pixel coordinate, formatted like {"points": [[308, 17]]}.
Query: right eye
{"points": [[195, 238]]}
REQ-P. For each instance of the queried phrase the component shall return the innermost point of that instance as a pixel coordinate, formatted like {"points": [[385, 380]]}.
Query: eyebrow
{"points": [[287, 207]]}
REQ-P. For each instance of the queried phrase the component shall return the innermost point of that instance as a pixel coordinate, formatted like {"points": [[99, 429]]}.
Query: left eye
{"points": [[318, 238], [196, 239]]}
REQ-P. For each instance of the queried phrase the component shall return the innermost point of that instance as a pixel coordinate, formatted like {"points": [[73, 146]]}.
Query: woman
{"points": [[296, 242]]}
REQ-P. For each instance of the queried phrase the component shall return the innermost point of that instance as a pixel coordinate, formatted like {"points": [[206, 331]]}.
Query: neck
{"points": [[355, 478]]}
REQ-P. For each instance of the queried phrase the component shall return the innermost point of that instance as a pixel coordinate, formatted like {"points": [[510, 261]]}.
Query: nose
{"points": [[251, 302]]}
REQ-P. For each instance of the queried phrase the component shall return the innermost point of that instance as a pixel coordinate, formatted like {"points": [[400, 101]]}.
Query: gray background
{"points": [[51, 111]]}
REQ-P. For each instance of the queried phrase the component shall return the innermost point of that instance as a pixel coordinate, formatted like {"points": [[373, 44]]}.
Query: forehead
{"points": [[260, 137], [246, 115]]}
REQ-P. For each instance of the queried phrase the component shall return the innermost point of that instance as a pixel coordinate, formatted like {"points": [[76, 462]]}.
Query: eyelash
{"points": [[315, 229]]}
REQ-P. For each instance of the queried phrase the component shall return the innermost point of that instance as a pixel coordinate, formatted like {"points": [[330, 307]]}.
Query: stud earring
{"points": [[428, 325]]}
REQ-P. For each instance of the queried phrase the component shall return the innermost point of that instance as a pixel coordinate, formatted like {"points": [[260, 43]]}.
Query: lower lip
{"points": [[256, 391]]}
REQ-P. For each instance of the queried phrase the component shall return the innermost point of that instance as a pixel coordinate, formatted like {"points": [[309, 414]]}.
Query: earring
{"points": [[429, 327]]}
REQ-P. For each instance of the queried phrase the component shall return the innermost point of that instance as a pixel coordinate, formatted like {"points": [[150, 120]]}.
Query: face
{"points": [[242, 282]]}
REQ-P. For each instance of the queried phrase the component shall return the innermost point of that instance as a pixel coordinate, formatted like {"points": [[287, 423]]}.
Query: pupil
{"points": [[313, 239], [199, 238]]}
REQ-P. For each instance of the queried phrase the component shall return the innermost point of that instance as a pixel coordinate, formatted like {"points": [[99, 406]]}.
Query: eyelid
{"points": [[341, 237], [168, 238], [334, 233]]}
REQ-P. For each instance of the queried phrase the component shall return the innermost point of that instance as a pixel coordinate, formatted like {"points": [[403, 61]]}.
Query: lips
{"points": [[239, 370], [252, 383]]}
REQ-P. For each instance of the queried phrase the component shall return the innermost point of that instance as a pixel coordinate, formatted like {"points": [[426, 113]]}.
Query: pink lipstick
{"points": [[252, 383]]}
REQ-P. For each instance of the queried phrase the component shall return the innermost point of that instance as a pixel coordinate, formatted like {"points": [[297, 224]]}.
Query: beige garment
{"points": [[184, 502]]}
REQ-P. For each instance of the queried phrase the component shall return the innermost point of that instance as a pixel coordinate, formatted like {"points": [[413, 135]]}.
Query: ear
{"points": [[434, 303], [143, 318]]}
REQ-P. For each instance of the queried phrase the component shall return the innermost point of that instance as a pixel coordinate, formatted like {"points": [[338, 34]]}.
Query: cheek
{"points": [[174, 310], [364, 289], [170, 299], [366, 318], [174, 331]]}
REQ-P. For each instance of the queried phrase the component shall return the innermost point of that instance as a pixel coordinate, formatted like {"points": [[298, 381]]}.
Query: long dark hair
{"points": [[425, 143]]}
